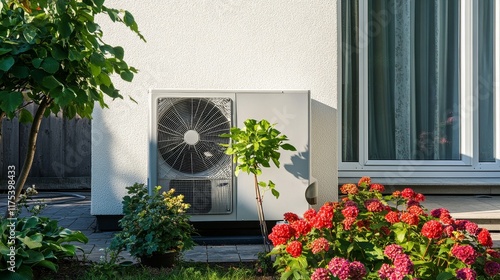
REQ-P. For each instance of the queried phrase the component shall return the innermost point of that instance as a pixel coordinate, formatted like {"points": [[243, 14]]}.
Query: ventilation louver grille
{"points": [[189, 135]]}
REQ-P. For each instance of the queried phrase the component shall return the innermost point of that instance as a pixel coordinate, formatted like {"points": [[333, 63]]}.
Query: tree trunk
{"points": [[30, 155], [262, 219]]}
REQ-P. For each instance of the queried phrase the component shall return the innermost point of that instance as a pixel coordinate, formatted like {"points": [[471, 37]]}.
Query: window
{"points": [[418, 89]]}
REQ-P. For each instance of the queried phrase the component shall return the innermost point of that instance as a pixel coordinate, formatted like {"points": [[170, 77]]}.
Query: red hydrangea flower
{"points": [[419, 197], [465, 253], [348, 203], [396, 194], [392, 217], [446, 219], [493, 253], [408, 193], [385, 271], [466, 274], [409, 218], [402, 266], [321, 274], [412, 202], [281, 233], [294, 248], [320, 245], [301, 227], [356, 270], [415, 209], [432, 229], [339, 267], [492, 268], [309, 214], [448, 230], [374, 205], [349, 189], [350, 211], [484, 238], [290, 217], [471, 228], [348, 222], [323, 218], [377, 187], [436, 213], [460, 224], [364, 181], [393, 250]]}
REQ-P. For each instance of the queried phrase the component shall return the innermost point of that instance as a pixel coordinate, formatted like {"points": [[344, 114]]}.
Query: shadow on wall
{"points": [[323, 151]]}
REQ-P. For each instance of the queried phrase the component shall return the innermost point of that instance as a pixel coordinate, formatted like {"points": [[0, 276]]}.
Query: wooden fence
{"points": [[62, 159]]}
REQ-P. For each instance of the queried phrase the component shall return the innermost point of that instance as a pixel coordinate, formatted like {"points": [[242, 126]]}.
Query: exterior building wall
{"points": [[216, 44]]}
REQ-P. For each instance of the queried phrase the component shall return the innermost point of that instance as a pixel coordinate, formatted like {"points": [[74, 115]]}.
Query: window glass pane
{"points": [[413, 80], [350, 90], [485, 81]]}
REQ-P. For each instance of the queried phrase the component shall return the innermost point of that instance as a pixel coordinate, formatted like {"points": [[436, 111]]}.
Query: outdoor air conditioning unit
{"points": [[185, 151]]}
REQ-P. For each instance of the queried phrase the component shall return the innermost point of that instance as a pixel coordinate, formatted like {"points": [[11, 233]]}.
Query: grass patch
{"points": [[77, 270]]}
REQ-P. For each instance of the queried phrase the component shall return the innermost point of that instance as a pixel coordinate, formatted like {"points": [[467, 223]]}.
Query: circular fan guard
{"points": [[188, 134]]}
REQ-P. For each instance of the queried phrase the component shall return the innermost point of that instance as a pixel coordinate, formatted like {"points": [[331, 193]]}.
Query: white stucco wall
{"points": [[216, 44]]}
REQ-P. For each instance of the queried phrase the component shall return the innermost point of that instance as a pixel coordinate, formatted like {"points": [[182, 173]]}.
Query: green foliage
{"points": [[153, 223], [384, 237], [39, 242], [255, 146], [53, 50], [110, 265]]}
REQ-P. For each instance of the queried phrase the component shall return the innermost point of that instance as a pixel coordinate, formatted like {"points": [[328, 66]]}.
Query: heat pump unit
{"points": [[186, 155]]}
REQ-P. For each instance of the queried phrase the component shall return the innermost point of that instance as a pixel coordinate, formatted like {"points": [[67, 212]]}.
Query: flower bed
{"points": [[371, 236]]}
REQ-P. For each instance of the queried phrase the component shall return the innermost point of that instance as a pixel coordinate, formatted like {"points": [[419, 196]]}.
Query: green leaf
{"points": [[50, 65], [10, 101], [288, 147], [127, 76], [91, 26], [128, 18], [33, 242], [75, 55], [37, 62], [51, 82], [444, 276], [25, 116], [98, 60], [29, 34], [48, 264], [20, 71], [58, 52], [6, 63], [105, 80], [64, 26], [275, 193], [119, 52], [4, 51], [95, 70], [262, 184]]}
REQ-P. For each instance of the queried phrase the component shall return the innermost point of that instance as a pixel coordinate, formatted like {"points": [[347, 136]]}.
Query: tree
{"points": [[52, 54], [254, 147]]}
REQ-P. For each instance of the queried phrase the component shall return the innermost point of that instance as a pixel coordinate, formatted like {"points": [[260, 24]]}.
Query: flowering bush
{"points": [[371, 236]]}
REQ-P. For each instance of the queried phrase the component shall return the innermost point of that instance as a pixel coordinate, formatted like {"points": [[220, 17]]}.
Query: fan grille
{"points": [[188, 133]]}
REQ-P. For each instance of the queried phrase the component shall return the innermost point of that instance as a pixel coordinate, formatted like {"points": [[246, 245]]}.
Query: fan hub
{"points": [[191, 137]]}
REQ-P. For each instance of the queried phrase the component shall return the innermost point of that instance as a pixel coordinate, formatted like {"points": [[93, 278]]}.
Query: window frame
{"points": [[432, 171]]}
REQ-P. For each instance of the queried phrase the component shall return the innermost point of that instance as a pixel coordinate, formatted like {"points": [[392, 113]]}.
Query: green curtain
{"points": [[485, 80], [350, 89], [413, 85]]}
